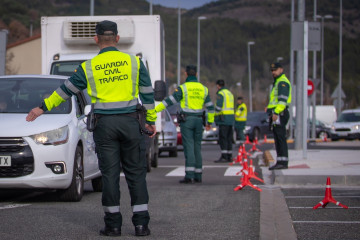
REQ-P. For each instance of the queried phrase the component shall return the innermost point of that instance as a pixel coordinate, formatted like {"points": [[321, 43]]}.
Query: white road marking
{"points": [[334, 222], [177, 172], [231, 171], [335, 196], [319, 208], [13, 206]]}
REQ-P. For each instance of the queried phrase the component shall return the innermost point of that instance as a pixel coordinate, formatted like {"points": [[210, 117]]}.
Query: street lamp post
{"points": [[322, 57], [249, 65], [150, 8], [198, 43], [179, 46]]}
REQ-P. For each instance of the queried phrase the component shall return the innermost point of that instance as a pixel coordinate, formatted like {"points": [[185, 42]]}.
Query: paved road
{"points": [[211, 210]]}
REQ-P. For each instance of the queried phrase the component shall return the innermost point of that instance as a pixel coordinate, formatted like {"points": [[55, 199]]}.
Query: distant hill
{"points": [[230, 24]]}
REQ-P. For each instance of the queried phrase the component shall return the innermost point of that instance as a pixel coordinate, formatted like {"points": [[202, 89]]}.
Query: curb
{"points": [[268, 158]]}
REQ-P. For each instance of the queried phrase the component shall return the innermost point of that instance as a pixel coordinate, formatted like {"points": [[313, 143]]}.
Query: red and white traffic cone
{"points": [[328, 197], [254, 148], [247, 141], [252, 173], [265, 139], [325, 138], [239, 156], [245, 179]]}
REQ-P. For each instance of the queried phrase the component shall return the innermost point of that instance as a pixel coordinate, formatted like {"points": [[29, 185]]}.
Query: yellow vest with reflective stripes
{"points": [[113, 80], [228, 103], [274, 93], [240, 116], [194, 95]]}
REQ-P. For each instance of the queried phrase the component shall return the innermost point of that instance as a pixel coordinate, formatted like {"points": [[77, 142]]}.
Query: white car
{"points": [[168, 135], [347, 126], [55, 151]]}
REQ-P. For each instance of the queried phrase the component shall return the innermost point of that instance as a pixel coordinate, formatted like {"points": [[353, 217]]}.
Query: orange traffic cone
{"points": [[247, 141], [239, 157], [245, 181], [325, 138], [254, 148], [252, 173], [328, 197], [265, 139]]}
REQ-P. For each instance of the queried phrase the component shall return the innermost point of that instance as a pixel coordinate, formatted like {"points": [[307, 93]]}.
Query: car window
{"points": [[349, 117], [22, 94], [65, 68]]}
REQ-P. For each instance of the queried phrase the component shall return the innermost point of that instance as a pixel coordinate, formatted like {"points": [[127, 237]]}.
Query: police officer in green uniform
{"points": [[224, 118], [278, 110], [114, 81], [240, 119], [192, 96]]}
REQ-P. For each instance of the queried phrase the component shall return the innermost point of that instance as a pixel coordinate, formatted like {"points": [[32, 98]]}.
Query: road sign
{"points": [[310, 87]]}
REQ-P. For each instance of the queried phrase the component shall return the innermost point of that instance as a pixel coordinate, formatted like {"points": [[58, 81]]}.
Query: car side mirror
{"points": [[159, 90]]}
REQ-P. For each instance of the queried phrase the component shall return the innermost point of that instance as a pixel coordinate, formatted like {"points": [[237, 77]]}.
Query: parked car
{"points": [[168, 135], [173, 109], [55, 151], [257, 125], [347, 126], [212, 134], [322, 130]]}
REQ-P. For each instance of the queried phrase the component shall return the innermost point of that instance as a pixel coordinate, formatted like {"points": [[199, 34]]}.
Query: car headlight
{"points": [[247, 128], [53, 137], [356, 127]]}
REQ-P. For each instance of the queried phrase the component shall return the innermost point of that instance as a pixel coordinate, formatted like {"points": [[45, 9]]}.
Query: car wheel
{"points": [[97, 184], [76, 190], [173, 153], [154, 161], [256, 134]]}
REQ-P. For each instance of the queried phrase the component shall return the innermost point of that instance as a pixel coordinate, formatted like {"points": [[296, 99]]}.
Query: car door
{"points": [[90, 159]]}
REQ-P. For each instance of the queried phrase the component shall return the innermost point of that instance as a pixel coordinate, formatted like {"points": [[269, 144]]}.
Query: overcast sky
{"points": [[188, 4]]}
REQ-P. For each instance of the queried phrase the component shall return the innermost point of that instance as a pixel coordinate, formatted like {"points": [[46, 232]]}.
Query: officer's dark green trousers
{"points": [[191, 133], [225, 141], [240, 126], [118, 139], [280, 137]]}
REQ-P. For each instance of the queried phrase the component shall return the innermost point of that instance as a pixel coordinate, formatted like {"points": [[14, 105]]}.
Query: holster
{"points": [[180, 117], [141, 117], [91, 120]]}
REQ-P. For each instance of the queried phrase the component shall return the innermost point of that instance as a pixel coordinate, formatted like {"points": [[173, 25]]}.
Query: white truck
{"points": [[68, 41]]}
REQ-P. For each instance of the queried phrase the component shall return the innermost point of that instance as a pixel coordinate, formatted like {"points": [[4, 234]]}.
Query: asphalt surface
{"points": [[211, 210]]}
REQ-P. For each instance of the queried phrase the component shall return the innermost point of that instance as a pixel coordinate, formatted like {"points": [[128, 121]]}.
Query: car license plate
{"points": [[5, 161], [342, 134]]}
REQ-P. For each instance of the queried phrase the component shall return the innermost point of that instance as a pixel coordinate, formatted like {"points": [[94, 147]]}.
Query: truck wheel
{"points": [[97, 184], [76, 189]]}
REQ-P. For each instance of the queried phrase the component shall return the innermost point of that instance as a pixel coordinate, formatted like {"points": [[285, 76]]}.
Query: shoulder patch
{"points": [[176, 90], [283, 85]]}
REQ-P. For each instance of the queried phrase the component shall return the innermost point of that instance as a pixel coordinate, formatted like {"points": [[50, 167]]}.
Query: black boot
{"points": [[279, 165]]}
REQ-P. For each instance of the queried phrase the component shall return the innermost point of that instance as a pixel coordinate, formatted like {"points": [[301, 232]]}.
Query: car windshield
{"points": [[20, 95], [349, 117], [256, 116]]}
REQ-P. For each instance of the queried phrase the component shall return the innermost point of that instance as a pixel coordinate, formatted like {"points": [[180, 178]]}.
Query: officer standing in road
{"points": [[278, 110], [240, 119], [224, 118], [192, 96], [114, 80]]}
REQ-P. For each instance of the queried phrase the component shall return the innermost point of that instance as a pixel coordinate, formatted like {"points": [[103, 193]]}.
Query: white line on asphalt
{"points": [[335, 196], [177, 172], [335, 222], [13, 206], [232, 171], [326, 207]]}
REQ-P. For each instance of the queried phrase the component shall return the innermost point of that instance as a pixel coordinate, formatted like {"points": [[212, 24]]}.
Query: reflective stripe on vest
{"points": [[194, 95], [114, 84], [274, 93], [228, 103]]}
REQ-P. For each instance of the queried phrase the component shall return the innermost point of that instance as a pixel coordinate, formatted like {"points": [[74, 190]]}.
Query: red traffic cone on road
{"points": [[254, 148], [328, 197], [245, 181], [247, 141], [252, 173], [265, 139], [239, 157]]}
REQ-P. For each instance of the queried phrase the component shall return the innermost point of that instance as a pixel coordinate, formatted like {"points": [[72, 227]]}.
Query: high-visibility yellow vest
{"points": [[274, 102], [194, 95], [228, 103], [113, 80], [240, 115]]}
